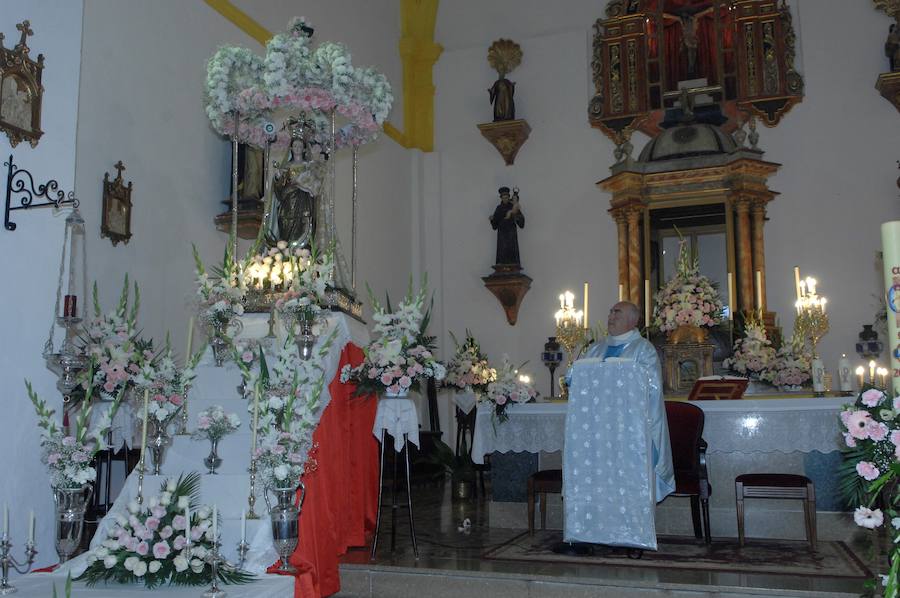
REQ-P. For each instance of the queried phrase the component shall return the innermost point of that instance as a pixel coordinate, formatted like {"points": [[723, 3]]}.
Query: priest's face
{"points": [[622, 317]]}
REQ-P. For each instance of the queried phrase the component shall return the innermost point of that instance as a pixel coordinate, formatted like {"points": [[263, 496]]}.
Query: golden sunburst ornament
{"points": [[504, 56]]}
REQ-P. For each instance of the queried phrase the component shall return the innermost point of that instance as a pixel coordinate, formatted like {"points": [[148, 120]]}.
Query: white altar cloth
{"points": [[40, 585], [465, 400], [397, 416], [802, 424], [608, 477]]}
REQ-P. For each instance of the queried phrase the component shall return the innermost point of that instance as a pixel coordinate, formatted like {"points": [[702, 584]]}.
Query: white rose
{"points": [[196, 565], [204, 512], [130, 562], [171, 485], [199, 552], [183, 502], [133, 507], [180, 562], [91, 558], [233, 420], [154, 501], [140, 568], [154, 566], [112, 544], [281, 472], [109, 562], [102, 552], [165, 499]]}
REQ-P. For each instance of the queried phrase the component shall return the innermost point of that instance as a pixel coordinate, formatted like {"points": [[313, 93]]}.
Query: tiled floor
{"points": [[448, 549]]}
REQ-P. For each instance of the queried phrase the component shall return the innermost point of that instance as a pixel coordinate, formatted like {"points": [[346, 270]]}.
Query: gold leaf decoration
{"points": [[504, 55]]}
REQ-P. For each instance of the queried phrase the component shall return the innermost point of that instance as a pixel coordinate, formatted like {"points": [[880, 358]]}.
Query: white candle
{"points": [[759, 301], [31, 527], [818, 375], [215, 518], [187, 524], [243, 525], [647, 303], [6, 520], [586, 319], [255, 420], [731, 295], [190, 341], [872, 371], [621, 292], [860, 373], [844, 374], [797, 281], [144, 426], [562, 301]]}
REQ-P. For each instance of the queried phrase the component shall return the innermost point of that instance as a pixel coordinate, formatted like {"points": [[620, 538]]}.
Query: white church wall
{"points": [[31, 264], [837, 183]]}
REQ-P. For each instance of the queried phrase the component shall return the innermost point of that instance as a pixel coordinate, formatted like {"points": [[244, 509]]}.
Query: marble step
{"points": [[382, 581]]}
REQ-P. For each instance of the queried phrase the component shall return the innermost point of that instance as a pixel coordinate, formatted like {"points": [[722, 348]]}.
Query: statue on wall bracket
{"points": [[505, 133], [888, 84], [508, 283]]}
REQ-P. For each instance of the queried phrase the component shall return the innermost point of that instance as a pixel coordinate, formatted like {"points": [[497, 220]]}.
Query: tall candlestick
{"points": [[31, 527], [647, 303], [215, 523], [731, 295], [256, 392], [586, 319], [872, 371], [797, 281], [860, 373], [243, 525], [190, 341], [144, 427], [759, 301], [621, 292]]}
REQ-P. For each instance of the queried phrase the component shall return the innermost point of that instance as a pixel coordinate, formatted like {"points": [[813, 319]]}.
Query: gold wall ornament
{"points": [[21, 91], [507, 136], [116, 218], [509, 287]]}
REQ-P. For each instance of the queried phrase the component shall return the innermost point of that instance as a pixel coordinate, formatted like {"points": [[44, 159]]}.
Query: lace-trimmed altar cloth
{"points": [[397, 416], [609, 482]]}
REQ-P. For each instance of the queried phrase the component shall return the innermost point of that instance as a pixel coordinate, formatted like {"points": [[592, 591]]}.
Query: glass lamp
{"points": [[71, 296], [552, 356]]}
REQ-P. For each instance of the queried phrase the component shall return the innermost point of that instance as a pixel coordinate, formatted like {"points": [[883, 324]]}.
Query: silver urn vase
{"points": [[70, 507], [284, 516], [157, 442], [212, 460], [306, 340], [220, 347]]}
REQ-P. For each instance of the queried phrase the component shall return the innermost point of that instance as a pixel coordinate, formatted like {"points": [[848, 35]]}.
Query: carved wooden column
{"points": [[744, 254], [758, 214], [634, 256], [622, 228]]}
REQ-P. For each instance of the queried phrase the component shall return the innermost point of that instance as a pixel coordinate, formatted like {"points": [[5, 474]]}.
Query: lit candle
{"points": [[190, 341], [759, 301], [883, 373], [243, 525], [562, 301], [797, 281], [647, 303], [811, 285], [621, 292], [558, 316], [802, 290], [144, 427], [860, 373], [824, 301], [872, 371], [31, 527], [586, 326], [570, 299], [215, 523]]}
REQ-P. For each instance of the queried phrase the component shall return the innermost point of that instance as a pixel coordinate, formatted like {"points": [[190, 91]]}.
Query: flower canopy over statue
{"points": [[688, 299], [295, 77]]}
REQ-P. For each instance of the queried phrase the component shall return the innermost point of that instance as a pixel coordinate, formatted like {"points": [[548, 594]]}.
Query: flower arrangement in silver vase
{"points": [[221, 302], [511, 386], [213, 424]]}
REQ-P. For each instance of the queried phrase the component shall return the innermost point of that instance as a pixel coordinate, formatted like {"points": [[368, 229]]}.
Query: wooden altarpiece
{"points": [[645, 49]]}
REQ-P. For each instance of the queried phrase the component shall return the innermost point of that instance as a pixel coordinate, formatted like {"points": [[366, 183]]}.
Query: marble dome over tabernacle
{"points": [[687, 140]]}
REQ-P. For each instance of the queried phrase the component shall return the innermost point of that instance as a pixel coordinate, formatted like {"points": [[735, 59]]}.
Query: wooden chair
{"points": [[780, 486], [541, 483], [689, 460]]}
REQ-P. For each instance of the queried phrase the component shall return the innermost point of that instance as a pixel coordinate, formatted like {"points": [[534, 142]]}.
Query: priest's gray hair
{"points": [[634, 313]]}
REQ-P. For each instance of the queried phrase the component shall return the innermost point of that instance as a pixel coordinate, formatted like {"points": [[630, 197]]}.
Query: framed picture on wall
{"points": [[21, 91], [116, 218]]}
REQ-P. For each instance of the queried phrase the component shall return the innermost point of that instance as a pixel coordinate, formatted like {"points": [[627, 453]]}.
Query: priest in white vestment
{"points": [[616, 390]]}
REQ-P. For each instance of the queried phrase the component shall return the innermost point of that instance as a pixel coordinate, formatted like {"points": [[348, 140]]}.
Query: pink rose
{"points": [[877, 430], [166, 532], [387, 379], [125, 540], [867, 470], [159, 398], [53, 458], [405, 381], [247, 356], [501, 400], [179, 542], [872, 397], [895, 437], [203, 422], [142, 549], [152, 523], [161, 550], [197, 532], [176, 399], [373, 373], [158, 511], [849, 440], [178, 522], [109, 386]]}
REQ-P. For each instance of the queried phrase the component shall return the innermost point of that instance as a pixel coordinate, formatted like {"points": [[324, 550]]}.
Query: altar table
{"points": [[40, 585]]}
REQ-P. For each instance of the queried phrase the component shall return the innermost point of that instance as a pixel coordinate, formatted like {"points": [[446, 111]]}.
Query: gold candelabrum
{"points": [[570, 332], [812, 320]]}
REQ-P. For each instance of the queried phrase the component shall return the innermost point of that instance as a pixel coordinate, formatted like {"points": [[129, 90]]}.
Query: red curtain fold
{"points": [[342, 488]]}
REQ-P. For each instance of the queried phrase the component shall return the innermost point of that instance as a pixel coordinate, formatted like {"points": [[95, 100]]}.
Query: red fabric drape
{"points": [[342, 489]]}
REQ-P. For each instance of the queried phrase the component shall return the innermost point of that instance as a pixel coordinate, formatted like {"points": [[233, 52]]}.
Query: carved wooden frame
{"points": [[116, 194], [16, 65]]}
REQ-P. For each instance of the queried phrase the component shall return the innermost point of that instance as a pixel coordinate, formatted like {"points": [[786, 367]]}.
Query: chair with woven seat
{"points": [[541, 483], [685, 422], [777, 486]]}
